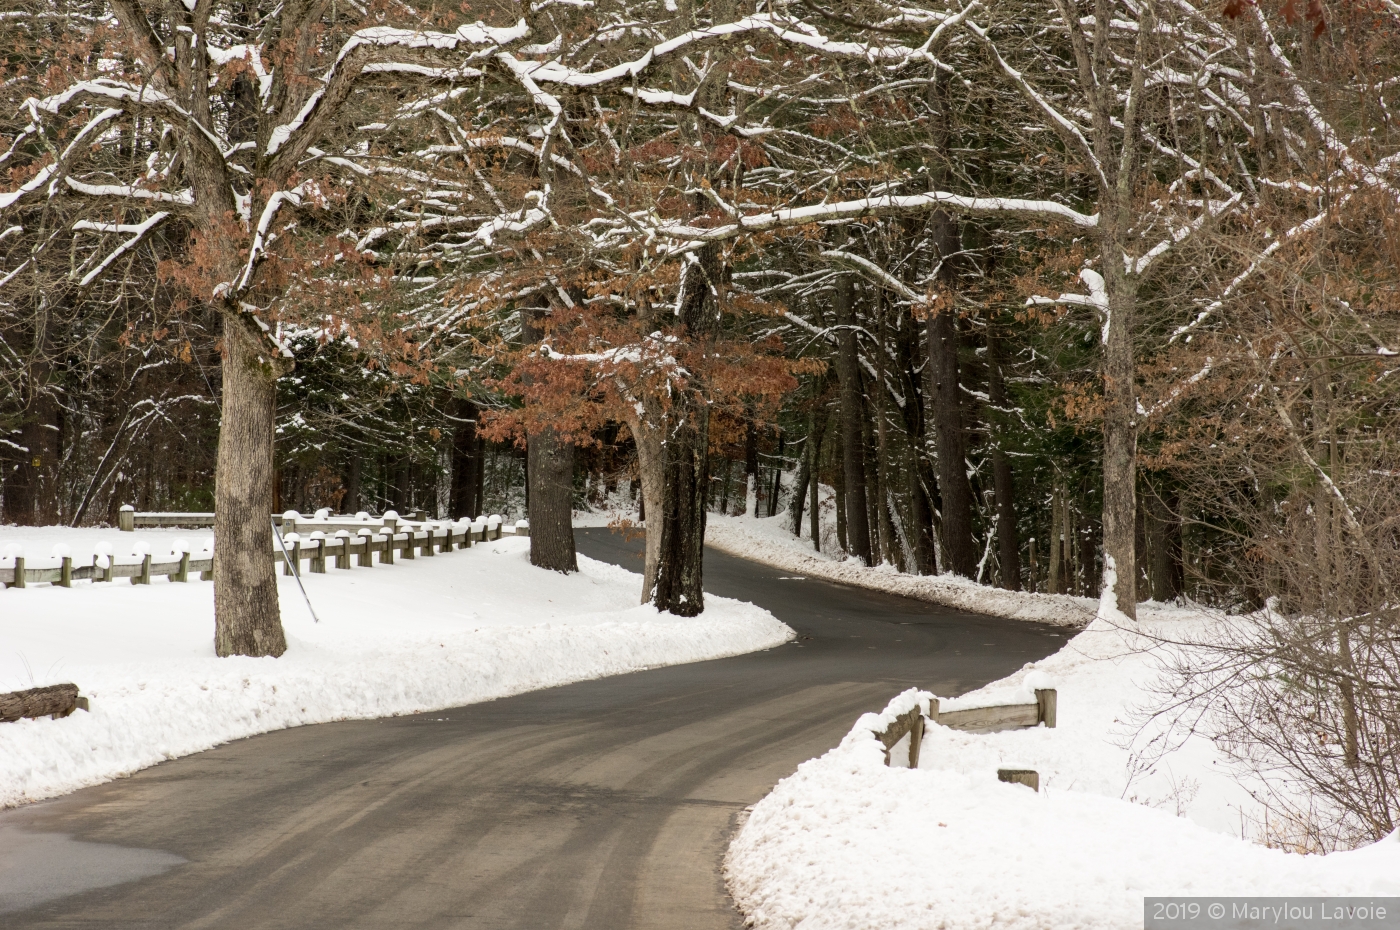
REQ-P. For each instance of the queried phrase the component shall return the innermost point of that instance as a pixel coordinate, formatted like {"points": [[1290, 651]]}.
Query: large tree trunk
{"points": [[680, 572], [551, 471], [1007, 540], [647, 432], [464, 461], [247, 616], [679, 577], [857, 524], [549, 478], [1119, 433], [959, 548]]}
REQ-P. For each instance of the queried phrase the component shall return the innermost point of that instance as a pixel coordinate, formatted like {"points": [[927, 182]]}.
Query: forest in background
{"points": [[1052, 294]]}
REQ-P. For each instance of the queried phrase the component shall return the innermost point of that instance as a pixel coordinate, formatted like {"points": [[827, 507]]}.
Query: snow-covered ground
{"points": [[419, 635], [849, 842]]}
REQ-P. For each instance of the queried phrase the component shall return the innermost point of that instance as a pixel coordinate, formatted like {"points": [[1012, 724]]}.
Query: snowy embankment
{"points": [[768, 540], [435, 632], [849, 842]]}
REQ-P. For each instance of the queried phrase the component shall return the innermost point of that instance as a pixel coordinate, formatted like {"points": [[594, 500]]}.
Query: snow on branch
{"points": [[876, 274], [137, 232], [477, 35], [889, 205], [1096, 299]]}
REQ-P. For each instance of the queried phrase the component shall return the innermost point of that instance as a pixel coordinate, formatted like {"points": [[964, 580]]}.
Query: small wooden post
{"points": [[1028, 777], [145, 576], [19, 572], [1046, 701], [183, 572], [916, 739], [126, 519], [342, 555], [428, 539], [65, 573], [388, 557], [296, 558], [365, 557], [408, 547], [318, 557]]}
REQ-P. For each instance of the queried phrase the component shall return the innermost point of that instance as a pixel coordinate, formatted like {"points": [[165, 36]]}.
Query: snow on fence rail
{"points": [[329, 539], [989, 719]]}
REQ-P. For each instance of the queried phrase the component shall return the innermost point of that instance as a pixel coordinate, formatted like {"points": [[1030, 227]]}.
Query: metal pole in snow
{"points": [[295, 574]]}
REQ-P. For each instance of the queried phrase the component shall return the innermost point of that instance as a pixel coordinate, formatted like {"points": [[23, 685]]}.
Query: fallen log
{"points": [[54, 700]]}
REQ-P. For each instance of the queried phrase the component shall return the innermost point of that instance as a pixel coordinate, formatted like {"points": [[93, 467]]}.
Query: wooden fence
{"points": [[331, 541], [911, 723]]}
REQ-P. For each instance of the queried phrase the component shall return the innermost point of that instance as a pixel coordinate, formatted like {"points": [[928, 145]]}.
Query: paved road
{"points": [[605, 804]]}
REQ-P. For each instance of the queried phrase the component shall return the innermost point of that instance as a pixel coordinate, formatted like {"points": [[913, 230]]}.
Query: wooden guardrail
{"points": [[973, 720], [129, 518], [51, 701], [385, 538]]}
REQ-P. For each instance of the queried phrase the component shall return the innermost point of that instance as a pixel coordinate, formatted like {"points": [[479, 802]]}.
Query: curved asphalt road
{"points": [[605, 804]]}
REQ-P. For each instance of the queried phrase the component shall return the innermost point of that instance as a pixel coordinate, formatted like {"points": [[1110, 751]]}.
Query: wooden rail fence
{"points": [[330, 541], [912, 723]]}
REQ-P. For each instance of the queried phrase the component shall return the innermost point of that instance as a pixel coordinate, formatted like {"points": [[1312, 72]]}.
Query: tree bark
{"points": [[1119, 433], [464, 460], [647, 431], [959, 549], [247, 616], [549, 477], [1003, 485], [551, 470], [857, 523], [680, 572], [807, 471]]}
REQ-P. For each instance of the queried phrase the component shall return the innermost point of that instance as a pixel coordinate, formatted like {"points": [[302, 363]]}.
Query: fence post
{"points": [[19, 572], [342, 555], [183, 572], [428, 539], [1046, 706], [126, 519], [145, 576], [388, 557], [1027, 777], [65, 573], [318, 559]]}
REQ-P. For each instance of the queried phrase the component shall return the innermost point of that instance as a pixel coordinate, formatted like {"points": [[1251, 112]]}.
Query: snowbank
{"points": [[849, 842], [768, 540], [419, 635]]}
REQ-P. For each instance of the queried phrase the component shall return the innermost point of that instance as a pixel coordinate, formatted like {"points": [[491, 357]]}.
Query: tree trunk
{"points": [[551, 471], [679, 577], [464, 460], [857, 524], [680, 572], [479, 473], [959, 548], [1119, 435], [31, 488], [1007, 540], [549, 477], [1163, 532], [647, 431], [807, 471], [750, 470], [247, 616]]}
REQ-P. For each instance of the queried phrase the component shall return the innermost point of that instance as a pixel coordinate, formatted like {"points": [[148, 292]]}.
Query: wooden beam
{"points": [[54, 700]]}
